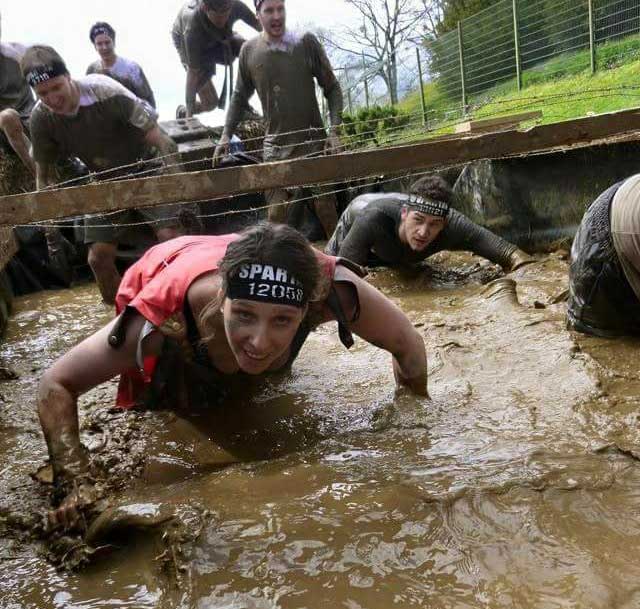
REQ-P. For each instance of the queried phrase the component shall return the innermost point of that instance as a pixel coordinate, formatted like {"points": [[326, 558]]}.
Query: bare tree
{"points": [[387, 26]]}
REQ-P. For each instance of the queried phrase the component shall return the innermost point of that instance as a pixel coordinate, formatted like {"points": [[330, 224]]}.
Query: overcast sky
{"points": [[143, 29]]}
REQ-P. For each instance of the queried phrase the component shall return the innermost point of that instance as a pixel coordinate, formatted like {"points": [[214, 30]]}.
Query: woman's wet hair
{"points": [[101, 27], [265, 243], [39, 57], [432, 187]]}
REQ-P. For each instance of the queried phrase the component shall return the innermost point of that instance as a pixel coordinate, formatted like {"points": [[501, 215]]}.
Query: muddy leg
{"points": [[102, 260], [12, 126], [325, 206], [208, 98], [278, 211]]}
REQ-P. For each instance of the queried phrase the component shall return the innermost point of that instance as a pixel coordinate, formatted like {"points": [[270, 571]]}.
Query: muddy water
{"points": [[515, 485]]}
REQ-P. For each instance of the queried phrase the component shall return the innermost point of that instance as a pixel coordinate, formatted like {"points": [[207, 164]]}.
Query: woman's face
{"points": [[259, 333]]}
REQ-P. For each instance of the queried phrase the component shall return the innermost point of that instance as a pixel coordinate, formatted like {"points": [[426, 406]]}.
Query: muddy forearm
{"points": [[335, 104], [410, 365], [167, 148], [463, 234], [58, 413]]}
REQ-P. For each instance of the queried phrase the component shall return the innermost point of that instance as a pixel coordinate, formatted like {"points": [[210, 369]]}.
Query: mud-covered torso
{"points": [[158, 286], [107, 131], [129, 74], [601, 300], [283, 76]]}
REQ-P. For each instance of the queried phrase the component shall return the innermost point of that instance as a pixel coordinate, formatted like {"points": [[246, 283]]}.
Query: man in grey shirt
{"points": [[397, 229], [125, 71], [282, 67]]}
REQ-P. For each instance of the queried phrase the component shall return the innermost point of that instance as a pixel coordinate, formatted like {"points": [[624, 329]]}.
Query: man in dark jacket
{"points": [[397, 229]]}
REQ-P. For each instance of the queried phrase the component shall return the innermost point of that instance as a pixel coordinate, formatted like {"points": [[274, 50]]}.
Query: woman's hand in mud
{"points": [[417, 384], [69, 515]]}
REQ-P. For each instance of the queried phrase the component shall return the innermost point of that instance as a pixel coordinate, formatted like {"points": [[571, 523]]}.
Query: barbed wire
{"points": [[551, 100]]}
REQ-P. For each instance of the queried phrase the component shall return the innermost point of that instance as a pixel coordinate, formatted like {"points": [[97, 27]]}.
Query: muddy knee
{"points": [[10, 123], [102, 257]]}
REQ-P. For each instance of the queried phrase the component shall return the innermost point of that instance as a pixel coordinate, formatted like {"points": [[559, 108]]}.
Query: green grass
{"points": [[562, 88]]}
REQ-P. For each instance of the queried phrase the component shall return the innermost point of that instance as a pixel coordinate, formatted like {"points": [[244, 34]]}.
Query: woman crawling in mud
{"points": [[193, 311]]}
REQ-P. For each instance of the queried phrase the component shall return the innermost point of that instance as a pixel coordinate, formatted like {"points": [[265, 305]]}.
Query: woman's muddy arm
{"points": [[381, 323], [87, 365]]}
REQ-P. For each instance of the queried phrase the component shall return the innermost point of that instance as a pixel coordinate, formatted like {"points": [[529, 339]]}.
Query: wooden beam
{"points": [[484, 124], [221, 183]]}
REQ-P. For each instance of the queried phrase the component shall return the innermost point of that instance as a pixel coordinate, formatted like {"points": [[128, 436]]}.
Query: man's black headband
{"points": [[431, 207], [99, 29], [266, 283], [258, 4], [45, 72]]}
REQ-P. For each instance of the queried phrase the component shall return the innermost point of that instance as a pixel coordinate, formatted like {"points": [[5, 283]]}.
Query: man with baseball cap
{"points": [[396, 229], [283, 66], [125, 71], [204, 37]]}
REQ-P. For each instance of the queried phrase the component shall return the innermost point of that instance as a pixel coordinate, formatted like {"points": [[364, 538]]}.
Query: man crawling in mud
{"points": [[396, 229], [604, 276], [196, 313]]}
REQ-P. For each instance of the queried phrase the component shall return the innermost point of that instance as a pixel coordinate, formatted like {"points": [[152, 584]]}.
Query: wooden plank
{"points": [[219, 183], [502, 121]]}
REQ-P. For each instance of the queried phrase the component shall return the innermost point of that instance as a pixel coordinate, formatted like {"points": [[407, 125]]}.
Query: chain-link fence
{"points": [[511, 39]]}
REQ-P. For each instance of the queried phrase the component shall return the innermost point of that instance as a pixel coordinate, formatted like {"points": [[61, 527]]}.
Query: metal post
{"points": [[516, 37], [592, 37], [462, 81], [324, 108], [366, 84], [422, 100]]}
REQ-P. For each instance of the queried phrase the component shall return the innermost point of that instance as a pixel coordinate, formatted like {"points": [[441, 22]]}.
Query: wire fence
{"points": [[513, 38]]}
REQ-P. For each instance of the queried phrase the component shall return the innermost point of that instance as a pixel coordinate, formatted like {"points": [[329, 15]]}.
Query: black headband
{"points": [[266, 283], [46, 72], [431, 207], [106, 29]]}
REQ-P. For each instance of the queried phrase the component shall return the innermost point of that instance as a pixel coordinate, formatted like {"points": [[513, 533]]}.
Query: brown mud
{"points": [[516, 485]]}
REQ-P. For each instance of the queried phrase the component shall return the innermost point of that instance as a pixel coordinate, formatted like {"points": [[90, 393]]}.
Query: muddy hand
{"points": [[333, 144], [222, 150], [70, 513]]}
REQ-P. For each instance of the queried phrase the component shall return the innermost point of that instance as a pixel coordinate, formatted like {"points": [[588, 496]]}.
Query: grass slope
{"points": [[563, 88]]}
